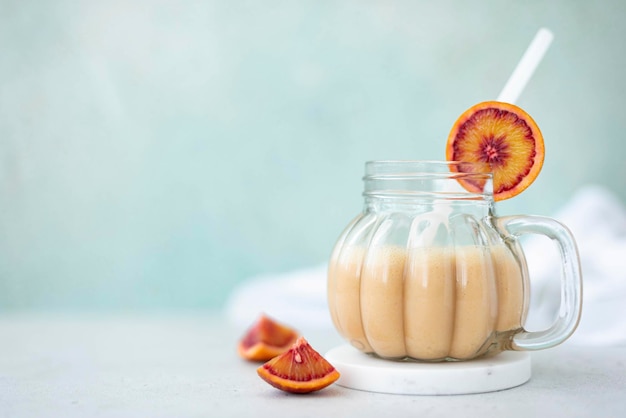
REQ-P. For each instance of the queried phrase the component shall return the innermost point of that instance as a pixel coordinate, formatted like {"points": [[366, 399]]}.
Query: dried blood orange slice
{"points": [[300, 369], [506, 138], [266, 339]]}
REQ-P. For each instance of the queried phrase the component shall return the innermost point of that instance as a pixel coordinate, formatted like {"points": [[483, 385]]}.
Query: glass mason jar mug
{"points": [[428, 272]]}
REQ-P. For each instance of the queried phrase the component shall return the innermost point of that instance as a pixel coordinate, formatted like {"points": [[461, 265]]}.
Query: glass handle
{"points": [[571, 280]]}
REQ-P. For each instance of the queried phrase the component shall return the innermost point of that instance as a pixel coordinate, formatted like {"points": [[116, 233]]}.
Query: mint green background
{"points": [[154, 154]]}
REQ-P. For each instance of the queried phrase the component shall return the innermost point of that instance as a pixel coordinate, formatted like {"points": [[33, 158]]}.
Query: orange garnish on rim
{"points": [[503, 136]]}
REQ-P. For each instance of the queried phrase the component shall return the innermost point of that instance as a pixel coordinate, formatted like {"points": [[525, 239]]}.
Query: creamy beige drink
{"points": [[425, 303]]}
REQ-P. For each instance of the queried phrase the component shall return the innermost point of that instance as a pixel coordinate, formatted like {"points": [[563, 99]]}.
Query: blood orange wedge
{"points": [[266, 339], [301, 369], [506, 138]]}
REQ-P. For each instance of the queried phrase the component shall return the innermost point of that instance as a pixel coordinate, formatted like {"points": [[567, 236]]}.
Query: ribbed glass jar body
{"points": [[422, 272]]}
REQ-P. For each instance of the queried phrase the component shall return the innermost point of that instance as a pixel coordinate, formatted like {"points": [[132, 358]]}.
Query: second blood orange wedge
{"points": [[266, 339], [503, 136]]}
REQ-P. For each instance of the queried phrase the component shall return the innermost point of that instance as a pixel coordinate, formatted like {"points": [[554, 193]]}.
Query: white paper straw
{"points": [[526, 66]]}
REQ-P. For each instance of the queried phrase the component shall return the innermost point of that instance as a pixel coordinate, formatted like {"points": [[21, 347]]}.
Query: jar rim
{"points": [[444, 179], [417, 167]]}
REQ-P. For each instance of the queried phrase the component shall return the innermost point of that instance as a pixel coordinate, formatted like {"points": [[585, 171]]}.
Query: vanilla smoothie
{"points": [[425, 303], [344, 296]]}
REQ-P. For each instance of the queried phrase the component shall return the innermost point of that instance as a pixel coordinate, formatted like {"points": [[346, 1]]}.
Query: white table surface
{"points": [[87, 365]]}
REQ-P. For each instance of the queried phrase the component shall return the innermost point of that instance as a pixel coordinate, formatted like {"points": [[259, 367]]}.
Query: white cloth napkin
{"points": [[297, 298], [594, 215]]}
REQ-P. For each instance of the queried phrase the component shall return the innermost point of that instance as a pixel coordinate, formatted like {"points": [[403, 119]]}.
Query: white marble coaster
{"points": [[363, 372]]}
